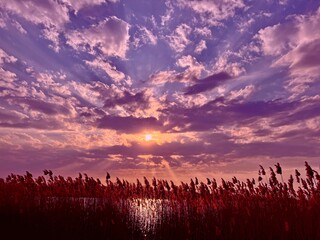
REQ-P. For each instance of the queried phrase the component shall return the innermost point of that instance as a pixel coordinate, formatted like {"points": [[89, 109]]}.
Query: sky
{"points": [[172, 89]]}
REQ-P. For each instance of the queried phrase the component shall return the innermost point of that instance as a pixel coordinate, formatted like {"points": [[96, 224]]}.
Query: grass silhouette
{"points": [[54, 207]]}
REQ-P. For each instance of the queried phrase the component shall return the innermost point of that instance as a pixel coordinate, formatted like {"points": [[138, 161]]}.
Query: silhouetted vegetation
{"points": [[54, 207]]}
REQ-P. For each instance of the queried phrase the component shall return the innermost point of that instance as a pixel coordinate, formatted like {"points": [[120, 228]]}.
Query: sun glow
{"points": [[148, 137]]}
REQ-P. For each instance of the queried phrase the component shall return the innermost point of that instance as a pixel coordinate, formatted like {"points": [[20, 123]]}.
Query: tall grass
{"points": [[54, 207]]}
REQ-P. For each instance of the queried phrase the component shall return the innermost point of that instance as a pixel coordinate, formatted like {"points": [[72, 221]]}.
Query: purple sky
{"points": [[222, 86]]}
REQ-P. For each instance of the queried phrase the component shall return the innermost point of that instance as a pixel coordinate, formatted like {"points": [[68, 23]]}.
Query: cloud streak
{"points": [[208, 83]]}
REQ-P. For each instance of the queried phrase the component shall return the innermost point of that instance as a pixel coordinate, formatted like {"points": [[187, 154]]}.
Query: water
{"points": [[144, 213]]}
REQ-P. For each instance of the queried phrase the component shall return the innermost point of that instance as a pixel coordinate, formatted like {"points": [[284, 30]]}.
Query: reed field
{"points": [[57, 207]]}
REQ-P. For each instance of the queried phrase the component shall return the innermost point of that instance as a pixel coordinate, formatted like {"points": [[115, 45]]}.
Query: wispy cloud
{"points": [[208, 83]]}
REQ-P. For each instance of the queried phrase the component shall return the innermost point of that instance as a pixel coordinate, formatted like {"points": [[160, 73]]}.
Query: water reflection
{"points": [[147, 213], [144, 213]]}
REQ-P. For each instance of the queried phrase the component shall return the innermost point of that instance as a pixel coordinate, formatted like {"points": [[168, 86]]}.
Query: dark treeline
{"points": [[54, 207]]}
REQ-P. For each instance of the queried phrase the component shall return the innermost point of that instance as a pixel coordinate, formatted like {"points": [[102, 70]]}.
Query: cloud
{"points": [[223, 112], [112, 100], [129, 124], [294, 44], [305, 110], [7, 77], [242, 93], [302, 60], [213, 11], [246, 23], [2, 22], [52, 35], [192, 71], [303, 64], [283, 2], [132, 102], [11, 115], [303, 57], [204, 32], [165, 19], [278, 38], [212, 147], [110, 36], [52, 83], [144, 36], [178, 40], [87, 93], [48, 13], [6, 58], [79, 4], [51, 15], [190, 101], [208, 83], [194, 68], [111, 78], [112, 71], [251, 124], [42, 106], [18, 26], [15, 119], [187, 150], [225, 64], [200, 47], [163, 77], [276, 150]]}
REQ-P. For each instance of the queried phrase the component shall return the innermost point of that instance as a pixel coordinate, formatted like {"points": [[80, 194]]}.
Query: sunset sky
{"points": [[172, 89]]}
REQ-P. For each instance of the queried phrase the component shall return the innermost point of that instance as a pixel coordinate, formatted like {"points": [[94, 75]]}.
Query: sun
{"points": [[148, 137]]}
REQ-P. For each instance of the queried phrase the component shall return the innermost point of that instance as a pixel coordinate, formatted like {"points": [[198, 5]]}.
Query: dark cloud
{"points": [[305, 110], [211, 147], [44, 107], [131, 101], [7, 115], [15, 119], [260, 108], [277, 149], [86, 112], [208, 83], [220, 145], [46, 124], [307, 55], [129, 124], [221, 112]]}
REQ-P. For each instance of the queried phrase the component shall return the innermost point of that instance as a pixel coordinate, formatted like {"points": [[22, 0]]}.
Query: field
{"points": [[54, 207]]}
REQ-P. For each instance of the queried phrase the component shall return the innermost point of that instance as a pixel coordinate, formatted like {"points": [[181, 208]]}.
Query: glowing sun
{"points": [[148, 137]]}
